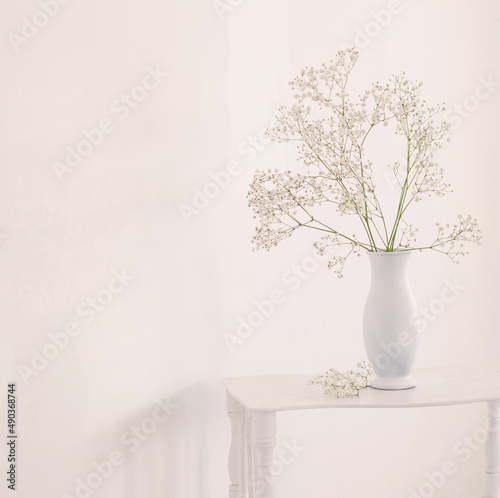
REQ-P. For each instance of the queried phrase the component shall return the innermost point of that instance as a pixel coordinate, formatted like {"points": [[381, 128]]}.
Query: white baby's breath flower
{"points": [[330, 131], [344, 385]]}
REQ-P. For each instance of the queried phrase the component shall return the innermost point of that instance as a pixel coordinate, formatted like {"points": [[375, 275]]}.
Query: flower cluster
{"points": [[331, 133], [344, 385]]}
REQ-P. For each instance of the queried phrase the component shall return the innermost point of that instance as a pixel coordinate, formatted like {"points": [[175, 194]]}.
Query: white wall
{"points": [[194, 275]]}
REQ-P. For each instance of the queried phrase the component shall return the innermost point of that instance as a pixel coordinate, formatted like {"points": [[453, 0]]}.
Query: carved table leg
{"points": [[264, 441], [244, 456], [235, 413], [492, 452], [250, 482]]}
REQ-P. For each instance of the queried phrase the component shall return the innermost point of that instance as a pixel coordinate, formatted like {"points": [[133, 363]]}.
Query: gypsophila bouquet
{"points": [[331, 133], [344, 385]]}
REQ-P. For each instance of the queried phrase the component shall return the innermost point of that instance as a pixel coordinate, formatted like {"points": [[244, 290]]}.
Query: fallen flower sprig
{"points": [[347, 384]]}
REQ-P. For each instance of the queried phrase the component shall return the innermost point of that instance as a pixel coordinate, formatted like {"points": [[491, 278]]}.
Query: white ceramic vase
{"points": [[390, 337]]}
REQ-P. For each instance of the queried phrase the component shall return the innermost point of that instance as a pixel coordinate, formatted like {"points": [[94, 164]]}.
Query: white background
{"points": [[195, 276]]}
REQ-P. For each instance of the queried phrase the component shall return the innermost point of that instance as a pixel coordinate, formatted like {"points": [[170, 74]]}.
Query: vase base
{"points": [[388, 384]]}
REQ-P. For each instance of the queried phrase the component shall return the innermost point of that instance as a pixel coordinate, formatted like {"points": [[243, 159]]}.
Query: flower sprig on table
{"points": [[331, 133], [344, 384]]}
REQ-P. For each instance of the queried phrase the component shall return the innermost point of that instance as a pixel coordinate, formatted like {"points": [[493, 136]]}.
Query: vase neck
{"points": [[389, 264]]}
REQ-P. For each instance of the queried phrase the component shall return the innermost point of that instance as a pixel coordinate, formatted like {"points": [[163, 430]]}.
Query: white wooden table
{"points": [[252, 403]]}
